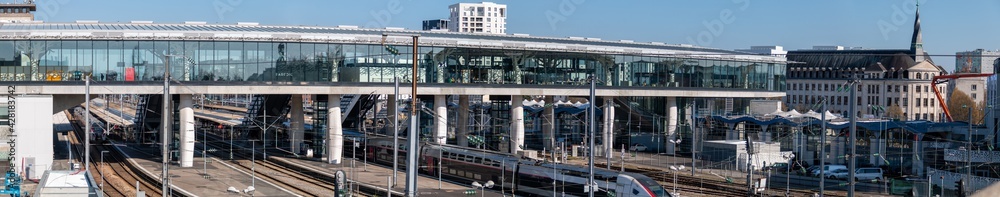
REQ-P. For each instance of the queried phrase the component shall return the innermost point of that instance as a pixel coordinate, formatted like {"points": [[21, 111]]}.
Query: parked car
{"points": [[779, 167], [638, 147], [827, 169], [808, 171], [840, 173], [862, 174]]}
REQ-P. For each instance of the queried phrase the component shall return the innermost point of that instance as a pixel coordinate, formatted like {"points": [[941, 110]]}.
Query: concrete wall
{"points": [[33, 126]]}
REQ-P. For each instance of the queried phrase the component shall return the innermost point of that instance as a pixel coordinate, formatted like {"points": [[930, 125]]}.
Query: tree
{"points": [[895, 112], [959, 105]]}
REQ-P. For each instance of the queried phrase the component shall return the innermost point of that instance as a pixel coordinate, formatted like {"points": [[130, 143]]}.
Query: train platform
{"points": [[376, 176], [194, 180], [111, 116], [225, 107], [227, 119]]}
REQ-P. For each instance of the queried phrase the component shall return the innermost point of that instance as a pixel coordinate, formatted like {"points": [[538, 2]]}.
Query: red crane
{"points": [[944, 78]]}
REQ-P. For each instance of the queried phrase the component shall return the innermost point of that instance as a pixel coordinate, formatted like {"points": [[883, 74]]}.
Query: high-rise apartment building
{"points": [[435, 24], [976, 61], [485, 17], [17, 12]]}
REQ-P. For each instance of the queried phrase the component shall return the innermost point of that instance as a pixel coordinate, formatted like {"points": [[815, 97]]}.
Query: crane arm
{"points": [[945, 78]]}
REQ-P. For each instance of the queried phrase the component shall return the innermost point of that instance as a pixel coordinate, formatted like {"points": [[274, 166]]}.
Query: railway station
{"points": [[199, 109], [297, 89]]}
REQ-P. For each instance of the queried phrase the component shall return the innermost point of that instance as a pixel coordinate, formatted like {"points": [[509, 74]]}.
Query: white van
{"points": [[862, 174], [827, 169]]}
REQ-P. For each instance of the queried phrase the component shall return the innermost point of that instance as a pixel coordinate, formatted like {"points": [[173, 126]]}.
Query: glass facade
{"points": [[134, 60]]}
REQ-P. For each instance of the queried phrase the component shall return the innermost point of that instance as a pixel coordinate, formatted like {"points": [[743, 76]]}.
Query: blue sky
{"points": [[949, 26]]}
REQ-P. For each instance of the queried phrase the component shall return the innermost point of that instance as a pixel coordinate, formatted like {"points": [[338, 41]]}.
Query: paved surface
{"points": [[377, 176], [221, 175], [218, 117]]}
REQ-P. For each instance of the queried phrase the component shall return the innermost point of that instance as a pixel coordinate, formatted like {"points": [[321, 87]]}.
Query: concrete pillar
{"points": [[548, 123], [186, 115], [516, 122], [335, 134], [297, 124], [609, 126], [672, 124], [462, 132], [765, 136], [838, 155], [440, 119], [731, 131]]}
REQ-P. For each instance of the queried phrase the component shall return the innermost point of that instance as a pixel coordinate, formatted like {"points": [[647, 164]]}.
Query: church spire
{"points": [[917, 42]]}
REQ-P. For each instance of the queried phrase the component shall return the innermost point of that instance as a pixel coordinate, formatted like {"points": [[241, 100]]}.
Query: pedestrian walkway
{"points": [[377, 176]]}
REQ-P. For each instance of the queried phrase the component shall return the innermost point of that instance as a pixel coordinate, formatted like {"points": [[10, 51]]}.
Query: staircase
{"points": [[265, 110], [147, 117], [347, 103], [140, 112]]}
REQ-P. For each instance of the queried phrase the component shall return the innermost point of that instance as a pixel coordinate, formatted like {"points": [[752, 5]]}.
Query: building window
{"points": [[973, 95], [973, 87], [905, 88]]}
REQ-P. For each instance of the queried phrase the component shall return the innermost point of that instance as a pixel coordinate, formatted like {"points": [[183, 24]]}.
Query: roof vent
{"points": [[347, 26], [687, 45], [195, 22], [593, 38], [439, 30], [629, 41], [394, 28], [521, 34], [87, 21], [142, 22], [659, 43], [248, 23], [576, 38]]}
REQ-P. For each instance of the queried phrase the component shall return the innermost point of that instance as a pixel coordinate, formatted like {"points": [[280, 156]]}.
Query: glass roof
{"points": [[330, 30]]}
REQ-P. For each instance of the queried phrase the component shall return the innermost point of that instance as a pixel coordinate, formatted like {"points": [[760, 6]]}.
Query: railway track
{"points": [[299, 183], [122, 177]]}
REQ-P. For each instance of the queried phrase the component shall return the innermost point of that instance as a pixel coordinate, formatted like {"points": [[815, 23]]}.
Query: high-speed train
{"points": [[512, 174]]}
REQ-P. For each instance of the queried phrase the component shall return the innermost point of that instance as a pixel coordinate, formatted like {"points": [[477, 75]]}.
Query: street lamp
{"points": [[101, 171], [482, 187], [674, 143], [676, 170], [253, 165], [788, 171]]}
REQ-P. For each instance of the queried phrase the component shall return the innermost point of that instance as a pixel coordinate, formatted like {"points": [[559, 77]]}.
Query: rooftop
{"points": [[254, 31]]}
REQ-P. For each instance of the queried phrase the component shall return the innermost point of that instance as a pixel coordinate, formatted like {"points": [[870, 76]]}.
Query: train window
{"points": [[635, 192], [479, 160], [477, 176]]}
